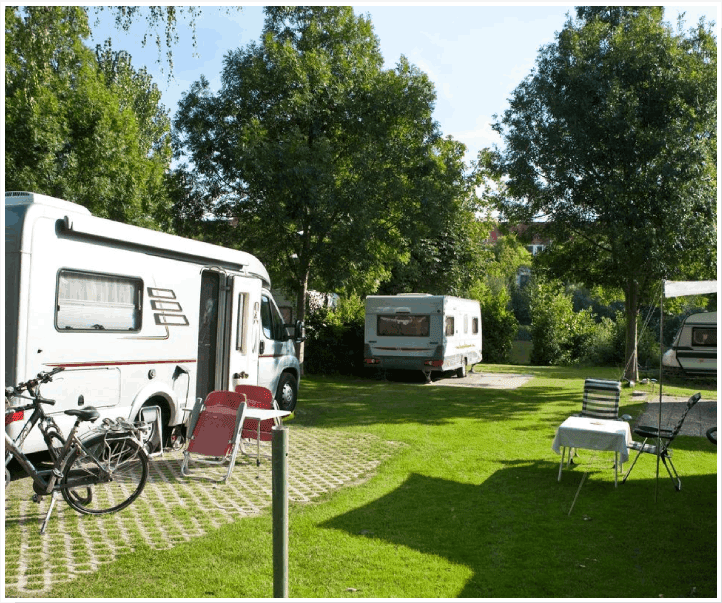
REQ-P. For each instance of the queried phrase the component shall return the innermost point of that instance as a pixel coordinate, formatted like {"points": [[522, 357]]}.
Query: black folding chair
{"points": [[666, 437]]}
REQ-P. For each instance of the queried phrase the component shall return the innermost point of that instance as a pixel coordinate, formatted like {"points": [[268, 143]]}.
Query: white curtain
{"points": [[97, 302]]}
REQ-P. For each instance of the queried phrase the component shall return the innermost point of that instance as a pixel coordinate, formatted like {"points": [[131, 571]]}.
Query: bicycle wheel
{"points": [[55, 442], [90, 489]]}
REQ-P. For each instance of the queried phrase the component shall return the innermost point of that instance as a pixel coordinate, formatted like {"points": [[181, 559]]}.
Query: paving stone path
{"points": [[173, 509]]}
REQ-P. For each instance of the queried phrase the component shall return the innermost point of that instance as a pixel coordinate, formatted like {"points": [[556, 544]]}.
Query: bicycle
{"points": [[101, 472]]}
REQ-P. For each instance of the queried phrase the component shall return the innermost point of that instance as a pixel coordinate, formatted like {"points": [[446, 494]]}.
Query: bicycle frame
{"points": [[13, 449]]}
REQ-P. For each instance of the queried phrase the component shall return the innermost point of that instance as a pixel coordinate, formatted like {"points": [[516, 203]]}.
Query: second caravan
{"points": [[430, 333]]}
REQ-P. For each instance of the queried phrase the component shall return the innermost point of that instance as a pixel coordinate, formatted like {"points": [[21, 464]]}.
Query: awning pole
{"points": [[661, 373]]}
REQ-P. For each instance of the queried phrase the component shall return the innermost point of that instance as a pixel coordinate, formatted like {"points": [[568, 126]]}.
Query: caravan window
{"points": [[704, 337], [475, 325], [449, 328], [402, 325], [97, 302]]}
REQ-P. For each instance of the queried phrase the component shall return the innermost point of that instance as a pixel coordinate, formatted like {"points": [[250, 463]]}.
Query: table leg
{"points": [[258, 449], [616, 464], [561, 464]]}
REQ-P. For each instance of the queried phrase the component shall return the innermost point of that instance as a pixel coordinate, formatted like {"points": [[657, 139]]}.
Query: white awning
{"points": [[679, 288]]}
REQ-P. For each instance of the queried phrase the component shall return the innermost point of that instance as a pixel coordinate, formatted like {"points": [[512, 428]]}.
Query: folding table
{"points": [[593, 434]]}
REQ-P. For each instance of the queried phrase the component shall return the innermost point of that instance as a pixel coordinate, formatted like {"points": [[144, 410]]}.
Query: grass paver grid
{"points": [[173, 508]]}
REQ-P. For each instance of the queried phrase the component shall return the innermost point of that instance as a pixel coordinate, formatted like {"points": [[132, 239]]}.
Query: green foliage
{"points": [[335, 339], [83, 127], [330, 163], [560, 335], [613, 138], [499, 328]]}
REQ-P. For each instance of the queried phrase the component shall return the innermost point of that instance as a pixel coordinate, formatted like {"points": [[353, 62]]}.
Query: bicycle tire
{"points": [[55, 442], [128, 465]]}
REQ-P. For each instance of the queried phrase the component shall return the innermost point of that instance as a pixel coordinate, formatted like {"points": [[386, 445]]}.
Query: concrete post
{"points": [[279, 451]]}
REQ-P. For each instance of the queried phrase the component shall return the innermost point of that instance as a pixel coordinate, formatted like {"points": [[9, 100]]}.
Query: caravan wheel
{"points": [[461, 371]]}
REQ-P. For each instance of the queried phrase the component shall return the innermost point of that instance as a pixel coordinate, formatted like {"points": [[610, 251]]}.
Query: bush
{"points": [[559, 335], [498, 329], [335, 339], [608, 344]]}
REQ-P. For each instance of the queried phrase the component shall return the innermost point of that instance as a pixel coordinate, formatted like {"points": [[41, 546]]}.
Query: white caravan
{"points": [[136, 317], [694, 351], [417, 331]]}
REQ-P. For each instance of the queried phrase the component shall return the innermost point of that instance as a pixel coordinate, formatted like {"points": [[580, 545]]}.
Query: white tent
{"points": [[675, 289]]}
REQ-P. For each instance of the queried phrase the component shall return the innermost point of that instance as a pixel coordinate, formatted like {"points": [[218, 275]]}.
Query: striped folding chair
{"points": [[601, 399]]}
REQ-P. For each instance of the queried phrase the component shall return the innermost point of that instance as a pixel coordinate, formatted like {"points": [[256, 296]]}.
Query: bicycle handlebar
{"points": [[43, 377]]}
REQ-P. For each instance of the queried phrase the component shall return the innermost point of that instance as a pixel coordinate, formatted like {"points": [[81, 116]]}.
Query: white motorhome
{"points": [[694, 350], [430, 333], [136, 317]]}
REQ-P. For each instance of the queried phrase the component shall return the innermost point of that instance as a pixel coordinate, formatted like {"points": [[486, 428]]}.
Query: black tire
{"points": [[287, 394], [55, 442], [128, 466], [461, 371]]}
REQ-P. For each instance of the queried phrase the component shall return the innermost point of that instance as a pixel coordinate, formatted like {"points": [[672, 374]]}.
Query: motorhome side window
{"points": [[475, 326], [449, 329], [704, 337], [271, 319], [402, 325], [98, 302]]}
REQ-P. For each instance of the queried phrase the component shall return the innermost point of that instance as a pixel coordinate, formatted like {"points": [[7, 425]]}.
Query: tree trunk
{"points": [[631, 300]]}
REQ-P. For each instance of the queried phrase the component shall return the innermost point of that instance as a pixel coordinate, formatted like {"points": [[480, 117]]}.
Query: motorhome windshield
{"points": [[404, 325]]}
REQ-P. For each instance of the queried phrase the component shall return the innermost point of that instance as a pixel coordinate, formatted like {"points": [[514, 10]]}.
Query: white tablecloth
{"points": [[594, 434]]}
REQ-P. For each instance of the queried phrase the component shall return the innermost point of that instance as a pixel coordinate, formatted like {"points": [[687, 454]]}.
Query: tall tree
{"points": [[612, 138], [316, 150], [84, 127]]}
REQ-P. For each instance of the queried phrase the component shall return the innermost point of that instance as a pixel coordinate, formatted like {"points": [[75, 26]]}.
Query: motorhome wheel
{"points": [[287, 394]]}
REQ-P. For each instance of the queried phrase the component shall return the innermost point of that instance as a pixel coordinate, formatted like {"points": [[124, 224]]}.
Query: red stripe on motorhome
{"points": [[118, 363]]}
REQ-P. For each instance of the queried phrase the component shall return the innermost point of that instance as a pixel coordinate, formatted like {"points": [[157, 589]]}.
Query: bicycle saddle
{"points": [[84, 414]]}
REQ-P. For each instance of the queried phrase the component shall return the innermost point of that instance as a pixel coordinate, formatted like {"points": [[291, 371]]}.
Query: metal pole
{"points": [[661, 373], [279, 451]]}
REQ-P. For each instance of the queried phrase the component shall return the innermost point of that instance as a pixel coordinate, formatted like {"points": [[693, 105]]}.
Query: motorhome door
{"points": [[244, 331]]}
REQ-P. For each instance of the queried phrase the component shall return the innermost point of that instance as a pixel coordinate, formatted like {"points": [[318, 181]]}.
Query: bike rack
{"points": [[154, 441]]}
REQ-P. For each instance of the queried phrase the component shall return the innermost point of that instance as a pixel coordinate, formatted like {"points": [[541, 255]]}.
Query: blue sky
{"points": [[475, 54]]}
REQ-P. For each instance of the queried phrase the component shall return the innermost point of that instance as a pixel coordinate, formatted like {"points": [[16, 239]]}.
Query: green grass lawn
{"points": [[471, 507]]}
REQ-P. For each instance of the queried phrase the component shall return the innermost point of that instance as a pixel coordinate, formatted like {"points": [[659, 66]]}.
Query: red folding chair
{"points": [[214, 428], [257, 397]]}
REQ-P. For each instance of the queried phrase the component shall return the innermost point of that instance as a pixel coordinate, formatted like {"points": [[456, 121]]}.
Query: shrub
{"points": [[559, 335], [335, 339], [498, 329]]}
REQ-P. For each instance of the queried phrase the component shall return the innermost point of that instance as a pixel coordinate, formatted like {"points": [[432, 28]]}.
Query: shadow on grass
{"points": [[515, 532]]}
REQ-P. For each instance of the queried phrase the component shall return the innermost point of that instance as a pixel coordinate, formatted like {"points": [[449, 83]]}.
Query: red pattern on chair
{"points": [[214, 429], [258, 397]]}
